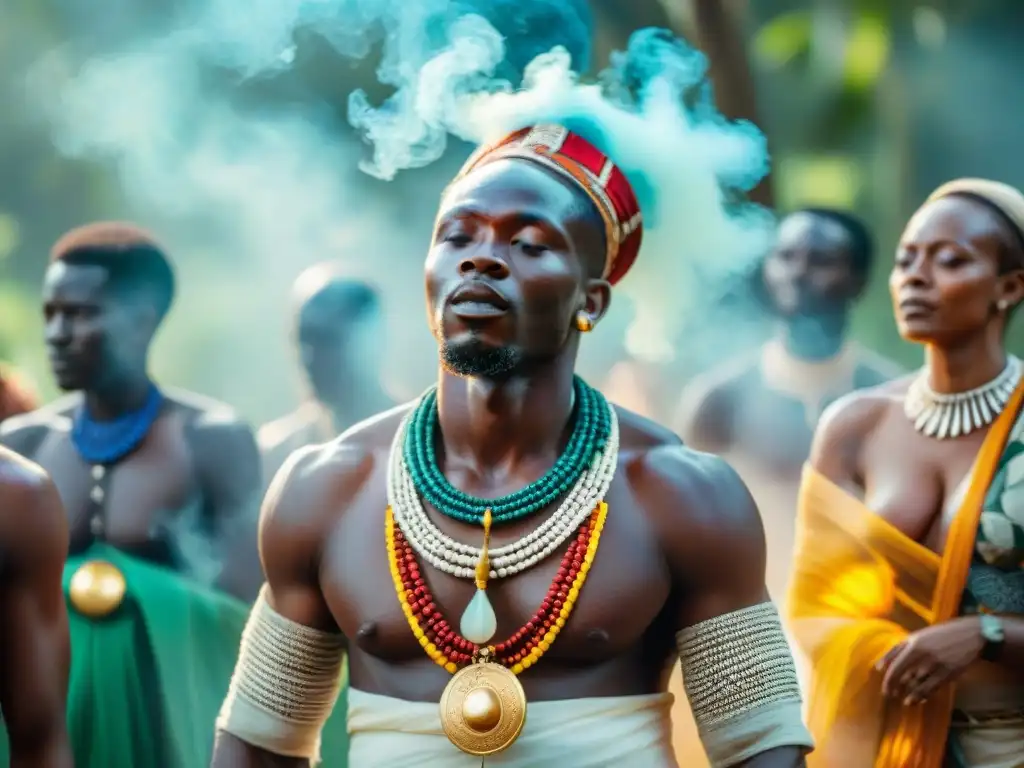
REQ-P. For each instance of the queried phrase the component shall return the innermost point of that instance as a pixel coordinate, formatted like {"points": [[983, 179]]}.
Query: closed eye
{"points": [[533, 249], [458, 239]]}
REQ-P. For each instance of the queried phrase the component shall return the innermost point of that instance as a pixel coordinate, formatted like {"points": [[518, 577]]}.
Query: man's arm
{"points": [[293, 524], [739, 673], [34, 651], [228, 464]]}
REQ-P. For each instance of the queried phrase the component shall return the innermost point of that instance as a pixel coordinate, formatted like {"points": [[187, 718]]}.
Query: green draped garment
{"points": [[148, 681]]}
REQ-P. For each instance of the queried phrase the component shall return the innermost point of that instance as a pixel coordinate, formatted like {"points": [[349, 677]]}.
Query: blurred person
{"points": [[530, 239], [908, 588], [759, 410], [156, 485], [339, 332], [34, 646], [16, 396], [767, 404]]}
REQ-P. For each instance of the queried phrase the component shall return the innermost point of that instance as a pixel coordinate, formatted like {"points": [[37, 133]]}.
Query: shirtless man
{"points": [[34, 652], [106, 291], [338, 332], [759, 412], [154, 482], [768, 404], [522, 263]]}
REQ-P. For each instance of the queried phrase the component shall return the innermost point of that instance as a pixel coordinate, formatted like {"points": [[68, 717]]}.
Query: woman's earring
{"points": [[1002, 305], [583, 322]]}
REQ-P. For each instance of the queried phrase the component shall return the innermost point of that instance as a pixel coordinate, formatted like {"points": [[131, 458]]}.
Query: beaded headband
{"points": [[574, 158]]}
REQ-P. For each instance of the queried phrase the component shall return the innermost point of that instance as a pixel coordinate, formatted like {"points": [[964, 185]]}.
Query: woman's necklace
{"points": [[947, 415]]}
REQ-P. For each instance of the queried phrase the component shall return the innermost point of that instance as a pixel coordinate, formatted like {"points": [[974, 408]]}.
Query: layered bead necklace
{"points": [[590, 432], [460, 560], [483, 708]]}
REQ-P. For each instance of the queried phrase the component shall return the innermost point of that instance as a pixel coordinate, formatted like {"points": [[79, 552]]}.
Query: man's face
{"points": [[809, 272], [89, 335], [505, 275], [329, 346]]}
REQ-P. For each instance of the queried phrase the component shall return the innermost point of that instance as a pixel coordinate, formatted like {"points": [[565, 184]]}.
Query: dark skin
{"points": [[683, 541], [951, 293], [339, 363], [35, 654], [811, 283], [198, 457]]}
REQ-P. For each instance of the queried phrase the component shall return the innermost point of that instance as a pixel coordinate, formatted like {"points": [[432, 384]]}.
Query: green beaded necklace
{"points": [[590, 432]]}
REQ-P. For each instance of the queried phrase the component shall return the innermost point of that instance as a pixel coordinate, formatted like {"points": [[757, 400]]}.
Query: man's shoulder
{"points": [[211, 423], [24, 432], [202, 411], [698, 507], [677, 484], [31, 515], [638, 434], [874, 369], [720, 381], [326, 475], [703, 411], [21, 476]]}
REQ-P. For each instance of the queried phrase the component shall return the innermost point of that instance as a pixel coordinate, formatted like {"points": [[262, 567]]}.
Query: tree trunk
{"points": [[719, 34]]}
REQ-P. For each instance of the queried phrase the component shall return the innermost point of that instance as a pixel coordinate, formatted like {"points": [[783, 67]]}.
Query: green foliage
{"points": [[783, 41]]}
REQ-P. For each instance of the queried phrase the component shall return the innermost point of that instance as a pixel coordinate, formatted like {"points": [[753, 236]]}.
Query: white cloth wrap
{"points": [[285, 683], [627, 731], [742, 686]]}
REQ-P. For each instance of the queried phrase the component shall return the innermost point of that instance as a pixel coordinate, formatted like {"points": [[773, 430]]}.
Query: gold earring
{"points": [[583, 322]]}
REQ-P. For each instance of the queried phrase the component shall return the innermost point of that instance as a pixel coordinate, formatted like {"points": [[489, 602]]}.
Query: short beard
{"points": [[473, 358]]}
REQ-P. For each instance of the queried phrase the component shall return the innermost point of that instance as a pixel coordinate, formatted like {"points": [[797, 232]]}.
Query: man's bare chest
{"points": [[773, 428], [625, 590], [123, 503]]}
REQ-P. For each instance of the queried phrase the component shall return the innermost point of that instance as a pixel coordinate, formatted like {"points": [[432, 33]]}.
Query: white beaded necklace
{"points": [[941, 415], [458, 559]]}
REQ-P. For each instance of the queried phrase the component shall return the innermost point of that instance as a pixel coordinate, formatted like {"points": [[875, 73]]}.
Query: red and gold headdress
{"points": [[574, 158]]}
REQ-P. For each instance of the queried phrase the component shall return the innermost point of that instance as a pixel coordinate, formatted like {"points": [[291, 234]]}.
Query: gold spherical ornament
{"points": [[483, 709], [584, 324], [97, 589]]}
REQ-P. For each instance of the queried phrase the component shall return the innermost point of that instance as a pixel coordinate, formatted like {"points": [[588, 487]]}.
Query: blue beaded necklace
{"points": [[107, 442]]}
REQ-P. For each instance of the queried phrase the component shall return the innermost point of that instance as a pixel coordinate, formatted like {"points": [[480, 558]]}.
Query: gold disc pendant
{"points": [[97, 589], [483, 709]]}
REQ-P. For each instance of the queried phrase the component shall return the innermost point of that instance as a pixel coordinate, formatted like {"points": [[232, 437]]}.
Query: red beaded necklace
{"points": [[527, 644]]}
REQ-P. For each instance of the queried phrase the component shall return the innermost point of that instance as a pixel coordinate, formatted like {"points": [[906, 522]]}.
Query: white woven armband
{"points": [[285, 684], [741, 682]]}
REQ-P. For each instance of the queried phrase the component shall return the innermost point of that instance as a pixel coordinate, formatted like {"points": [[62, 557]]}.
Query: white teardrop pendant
{"points": [[478, 623]]}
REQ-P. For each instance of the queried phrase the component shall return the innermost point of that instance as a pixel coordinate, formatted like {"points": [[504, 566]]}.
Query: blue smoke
{"points": [[470, 69]]}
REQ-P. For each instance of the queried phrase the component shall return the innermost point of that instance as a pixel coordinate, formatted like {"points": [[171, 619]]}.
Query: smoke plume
{"points": [[470, 70]]}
